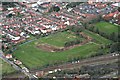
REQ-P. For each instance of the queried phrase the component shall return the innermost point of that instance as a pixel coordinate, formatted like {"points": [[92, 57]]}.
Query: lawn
{"points": [[5, 68], [33, 57], [60, 38], [99, 39], [107, 27]]}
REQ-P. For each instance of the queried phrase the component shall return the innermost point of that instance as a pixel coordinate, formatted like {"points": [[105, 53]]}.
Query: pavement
{"points": [[90, 61], [109, 58], [111, 75], [16, 67]]}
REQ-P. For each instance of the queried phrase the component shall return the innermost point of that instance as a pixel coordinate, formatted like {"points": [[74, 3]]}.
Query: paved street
{"points": [[109, 58], [26, 22], [31, 77]]}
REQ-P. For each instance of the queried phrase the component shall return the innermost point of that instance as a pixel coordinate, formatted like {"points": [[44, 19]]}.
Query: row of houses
{"points": [[17, 29], [90, 11]]}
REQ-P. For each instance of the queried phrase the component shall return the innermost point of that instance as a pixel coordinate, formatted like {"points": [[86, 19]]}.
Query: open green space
{"points": [[99, 39], [106, 27], [59, 39], [34, 57], [6, 68]]}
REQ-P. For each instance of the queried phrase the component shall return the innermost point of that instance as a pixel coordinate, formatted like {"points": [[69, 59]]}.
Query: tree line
{"points": [[71, 43], [76, 30], [113, 36]]}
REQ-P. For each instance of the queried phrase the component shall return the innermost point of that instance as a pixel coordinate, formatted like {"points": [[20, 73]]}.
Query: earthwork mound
{"points": [[49, 48]]}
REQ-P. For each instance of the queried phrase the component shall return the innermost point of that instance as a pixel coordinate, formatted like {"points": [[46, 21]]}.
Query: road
{"points": [[111, 75], [16, 67], [90, 61], [109, 58]]}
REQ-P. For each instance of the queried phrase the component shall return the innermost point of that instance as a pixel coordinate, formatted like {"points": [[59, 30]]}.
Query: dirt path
{"points": [[91, 61], [51, 48]]}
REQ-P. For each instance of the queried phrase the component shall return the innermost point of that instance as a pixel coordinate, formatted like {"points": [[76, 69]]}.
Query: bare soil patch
{"points": [[51, 48]]}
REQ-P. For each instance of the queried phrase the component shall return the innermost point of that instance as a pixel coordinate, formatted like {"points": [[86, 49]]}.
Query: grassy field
{"points": [[33, 57], [107, 27], [59, 39], [5, 68], [99, 39]]}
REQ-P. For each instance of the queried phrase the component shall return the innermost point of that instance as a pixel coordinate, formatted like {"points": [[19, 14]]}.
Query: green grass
{"points": [[33, 57], [59, 39], [5, 68], [99, 39], [107, 27]]}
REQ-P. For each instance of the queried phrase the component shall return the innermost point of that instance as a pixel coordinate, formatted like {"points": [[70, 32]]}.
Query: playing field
{"points": [[99, 39], [59, 39], [5, 68], [107, 27], [34, 57]]}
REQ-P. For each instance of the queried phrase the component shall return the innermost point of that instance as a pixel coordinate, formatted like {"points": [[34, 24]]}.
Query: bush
{"points": [[71, 43]]}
